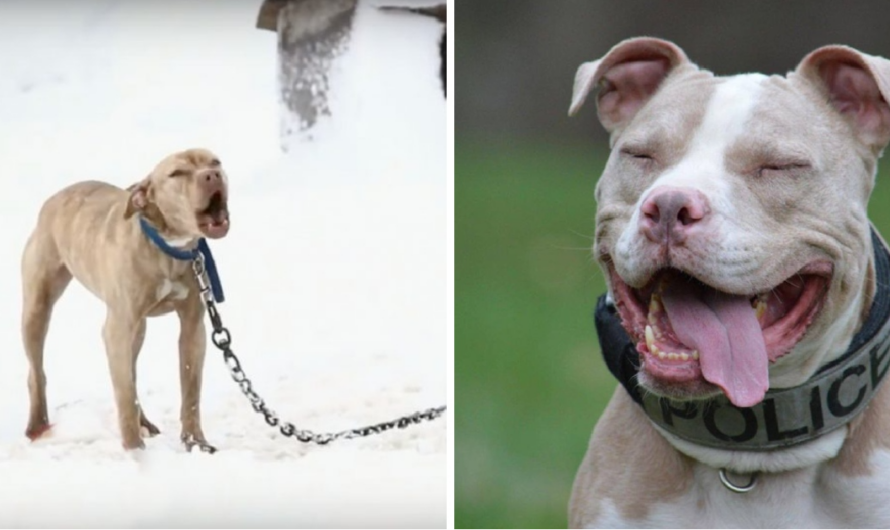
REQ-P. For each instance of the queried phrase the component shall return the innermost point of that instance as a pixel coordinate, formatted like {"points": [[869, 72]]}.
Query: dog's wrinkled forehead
{"points": [[740, 119], [672, 116], [185, 163]]}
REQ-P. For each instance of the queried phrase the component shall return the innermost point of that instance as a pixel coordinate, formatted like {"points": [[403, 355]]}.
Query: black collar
{"points": [[835, 395]]}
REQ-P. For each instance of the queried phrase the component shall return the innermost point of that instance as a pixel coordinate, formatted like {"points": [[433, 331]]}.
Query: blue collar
{"points": [[187, 255]]}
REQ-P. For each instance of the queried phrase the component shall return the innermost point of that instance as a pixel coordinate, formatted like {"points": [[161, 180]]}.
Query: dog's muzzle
{"points": [[786, 417]]}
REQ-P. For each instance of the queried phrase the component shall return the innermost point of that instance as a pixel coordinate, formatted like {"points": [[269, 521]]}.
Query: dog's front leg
{"points": [[192, 347], [119, 333]]}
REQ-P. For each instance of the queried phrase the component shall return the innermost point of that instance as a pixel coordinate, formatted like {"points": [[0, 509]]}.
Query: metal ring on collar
{"points": [[737, 489]]}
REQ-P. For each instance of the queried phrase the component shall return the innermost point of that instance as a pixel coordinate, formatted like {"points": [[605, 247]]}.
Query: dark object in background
{"points": [[311, 35]]}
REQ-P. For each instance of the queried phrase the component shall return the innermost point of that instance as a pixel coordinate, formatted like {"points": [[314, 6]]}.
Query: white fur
{"points": [[180, 243], [609, 517], [864, 499], [176, 290], [724, 121], [778, 501], [807, 498], [703, 167]]}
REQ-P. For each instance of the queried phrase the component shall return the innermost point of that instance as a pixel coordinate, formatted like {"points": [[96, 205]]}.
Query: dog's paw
{"points": [[207, 448], [34, 432], [204, 447], [149, 429], [191, 442], [133, 444]]}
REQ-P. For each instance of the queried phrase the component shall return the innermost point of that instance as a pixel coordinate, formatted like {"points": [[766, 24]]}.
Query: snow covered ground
{"points": [[334, 269]]}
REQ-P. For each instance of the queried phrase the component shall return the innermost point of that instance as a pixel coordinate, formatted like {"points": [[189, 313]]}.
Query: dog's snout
{"points": [[669, 213], [211, 180]]}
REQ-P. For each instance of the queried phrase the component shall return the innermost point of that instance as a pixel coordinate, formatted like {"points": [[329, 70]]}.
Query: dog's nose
{"points": [[669, 213], [212, 176]]}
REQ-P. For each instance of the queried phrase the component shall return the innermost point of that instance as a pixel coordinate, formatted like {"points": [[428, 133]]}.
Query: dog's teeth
{"points": [[650, 339], [759, 308], [655, 308], [655, 351], [684, 356], [655, 304], [673, 356], [695, 354]]}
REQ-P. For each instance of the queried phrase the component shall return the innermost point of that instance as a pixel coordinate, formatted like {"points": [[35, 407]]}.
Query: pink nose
{"points": [[211, 180], [669, 213], [209, 175]]}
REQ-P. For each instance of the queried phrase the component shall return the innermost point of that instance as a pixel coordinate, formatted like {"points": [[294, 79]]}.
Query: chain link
{"points": [[222, 339]]}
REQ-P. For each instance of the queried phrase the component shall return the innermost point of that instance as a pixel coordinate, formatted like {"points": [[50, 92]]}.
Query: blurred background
{"points": [[529, 380]]}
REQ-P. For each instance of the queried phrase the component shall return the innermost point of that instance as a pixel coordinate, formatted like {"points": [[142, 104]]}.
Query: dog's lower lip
{"points": [[214, 226]]}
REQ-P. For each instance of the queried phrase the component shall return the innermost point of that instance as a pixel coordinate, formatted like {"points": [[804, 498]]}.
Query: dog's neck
{"points": [[182, 242], [792, 427], [178, 248]]}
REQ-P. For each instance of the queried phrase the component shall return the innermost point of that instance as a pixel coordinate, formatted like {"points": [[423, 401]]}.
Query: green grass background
{"points": [[529, 380]]}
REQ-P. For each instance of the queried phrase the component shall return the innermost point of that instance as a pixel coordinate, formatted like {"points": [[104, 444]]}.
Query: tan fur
{"points": [[629, 463], [89, 231]]}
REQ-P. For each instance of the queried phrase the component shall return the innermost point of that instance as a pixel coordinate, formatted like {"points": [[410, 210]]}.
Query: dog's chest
{"points": [[809, 498], [171, 290], [167, 293]]}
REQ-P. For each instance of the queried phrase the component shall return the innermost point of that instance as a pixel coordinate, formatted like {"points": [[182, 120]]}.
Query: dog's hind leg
{"points": [[150, 427], [44, 279]]}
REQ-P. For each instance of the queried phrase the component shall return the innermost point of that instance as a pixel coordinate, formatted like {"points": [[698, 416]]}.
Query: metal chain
{"points": [[222, 339]]}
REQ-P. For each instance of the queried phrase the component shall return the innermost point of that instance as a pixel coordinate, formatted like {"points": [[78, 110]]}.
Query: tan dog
{"points": [[90, 231]]}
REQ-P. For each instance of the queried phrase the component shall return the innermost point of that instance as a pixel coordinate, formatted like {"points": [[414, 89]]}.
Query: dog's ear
{"points": [[627, 76], [857, 85], [138, 199]]}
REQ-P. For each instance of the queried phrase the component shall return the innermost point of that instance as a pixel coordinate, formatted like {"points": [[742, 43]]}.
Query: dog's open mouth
{"points": [[214, 219], [689, 333]]}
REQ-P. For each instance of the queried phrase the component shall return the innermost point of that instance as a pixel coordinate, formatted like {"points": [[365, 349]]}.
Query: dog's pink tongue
{"points": [[725, 331]]}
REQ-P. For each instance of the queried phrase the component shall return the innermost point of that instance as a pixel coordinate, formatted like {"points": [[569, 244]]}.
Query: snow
{"points": [[334, 269]]}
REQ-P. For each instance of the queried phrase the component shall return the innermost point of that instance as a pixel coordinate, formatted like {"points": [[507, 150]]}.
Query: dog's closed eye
{"points": [[790, 168], [179, 173], [642, 158], [636, 153]]}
